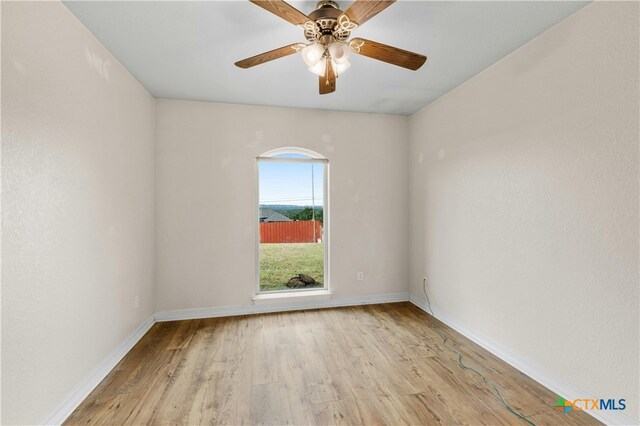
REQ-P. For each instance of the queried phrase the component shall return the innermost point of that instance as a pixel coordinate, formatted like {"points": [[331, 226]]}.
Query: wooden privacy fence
{"points": [[291, 232]]}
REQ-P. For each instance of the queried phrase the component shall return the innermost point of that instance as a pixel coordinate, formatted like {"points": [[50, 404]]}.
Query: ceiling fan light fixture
{"points": [[339, 52], [328, 30], [319, 67], [312, 54]]}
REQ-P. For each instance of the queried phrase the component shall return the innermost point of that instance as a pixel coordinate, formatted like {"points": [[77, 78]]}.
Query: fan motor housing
{"points": [[327, 3], [326, 17], [325, 12]]}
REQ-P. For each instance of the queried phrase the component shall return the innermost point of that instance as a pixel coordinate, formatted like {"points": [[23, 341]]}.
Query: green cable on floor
{"points": [[484, 379]]}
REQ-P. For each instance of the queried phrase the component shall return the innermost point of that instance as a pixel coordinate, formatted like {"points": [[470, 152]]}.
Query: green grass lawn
{"points": [[279, 262]]}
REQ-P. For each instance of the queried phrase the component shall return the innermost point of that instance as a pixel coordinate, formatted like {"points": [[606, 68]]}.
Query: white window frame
{"points": [[314, 157]]}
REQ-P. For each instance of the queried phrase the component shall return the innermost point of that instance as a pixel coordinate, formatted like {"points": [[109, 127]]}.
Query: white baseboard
{"points": [[86, 386], [541, 375], [225, 311], [537, 373]]}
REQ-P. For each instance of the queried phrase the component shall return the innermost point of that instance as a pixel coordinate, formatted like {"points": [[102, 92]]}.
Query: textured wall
{"points": [[77, 206], [205, 198], [525, 201]]}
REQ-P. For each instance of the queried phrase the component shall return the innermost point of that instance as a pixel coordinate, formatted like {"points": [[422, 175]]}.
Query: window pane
{"points": [[298, 156], [291, 225]]}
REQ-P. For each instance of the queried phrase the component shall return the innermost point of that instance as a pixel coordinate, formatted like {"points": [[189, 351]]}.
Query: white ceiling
{"points": [[186, 50]]}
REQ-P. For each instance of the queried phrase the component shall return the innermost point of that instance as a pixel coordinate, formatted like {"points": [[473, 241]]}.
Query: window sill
{"points": [[290, 296]]}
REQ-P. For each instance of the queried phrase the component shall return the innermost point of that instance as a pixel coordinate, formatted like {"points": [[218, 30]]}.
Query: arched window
{"points": [[292, 218]]}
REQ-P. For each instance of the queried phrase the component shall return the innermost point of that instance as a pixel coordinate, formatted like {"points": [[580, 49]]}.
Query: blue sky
{"points": [[290, 183]]}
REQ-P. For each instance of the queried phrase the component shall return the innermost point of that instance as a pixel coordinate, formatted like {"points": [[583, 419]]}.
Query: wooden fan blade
{"points": [[363, 10], [267, 56], [389, 54], [283, 10], [328, 80]]}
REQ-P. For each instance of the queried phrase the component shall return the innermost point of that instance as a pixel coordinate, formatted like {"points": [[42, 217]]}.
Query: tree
{"points": [[307, 214]]}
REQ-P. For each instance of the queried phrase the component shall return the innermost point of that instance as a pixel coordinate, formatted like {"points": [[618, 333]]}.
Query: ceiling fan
{"points": [[327, 29]]}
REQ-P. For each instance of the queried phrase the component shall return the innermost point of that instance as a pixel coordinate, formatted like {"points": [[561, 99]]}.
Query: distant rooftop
{"points": [[268, 215]]}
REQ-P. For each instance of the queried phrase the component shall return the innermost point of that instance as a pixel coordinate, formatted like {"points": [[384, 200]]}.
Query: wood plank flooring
{"points": [[364, 365]]}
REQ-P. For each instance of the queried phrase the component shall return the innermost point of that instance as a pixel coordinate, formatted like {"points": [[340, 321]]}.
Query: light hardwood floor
{"points": [[376, 364]]}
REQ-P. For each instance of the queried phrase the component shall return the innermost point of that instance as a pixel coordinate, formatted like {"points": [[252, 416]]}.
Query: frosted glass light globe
{"points": [[312, 54], [339, 52], [319, 67]]}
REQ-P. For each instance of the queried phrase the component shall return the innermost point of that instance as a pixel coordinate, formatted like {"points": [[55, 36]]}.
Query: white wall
{"points": [[77, 218], [205, 198], [524, 202]]}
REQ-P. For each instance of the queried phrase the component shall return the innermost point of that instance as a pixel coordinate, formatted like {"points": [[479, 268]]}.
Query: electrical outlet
{"points": [[136, 302], [360, 275]]}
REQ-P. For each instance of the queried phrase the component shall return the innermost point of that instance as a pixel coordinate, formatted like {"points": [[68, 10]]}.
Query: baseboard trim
{"points": [[537, 373], [225, 311], [86, 386]]}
